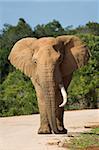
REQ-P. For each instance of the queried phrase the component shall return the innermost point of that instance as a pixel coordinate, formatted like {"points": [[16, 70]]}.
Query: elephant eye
{"points": [[34, 61]]}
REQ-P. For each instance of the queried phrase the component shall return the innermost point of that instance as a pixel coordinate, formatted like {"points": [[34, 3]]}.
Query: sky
{"points": [[67, 12]]}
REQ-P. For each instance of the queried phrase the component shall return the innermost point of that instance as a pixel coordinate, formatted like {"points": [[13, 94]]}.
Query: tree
{"points": [[9, 36], [93, 28], [89, 28], [53, 28]]}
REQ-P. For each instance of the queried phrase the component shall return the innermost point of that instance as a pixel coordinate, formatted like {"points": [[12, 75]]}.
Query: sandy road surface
{"points": [[20, 133]]}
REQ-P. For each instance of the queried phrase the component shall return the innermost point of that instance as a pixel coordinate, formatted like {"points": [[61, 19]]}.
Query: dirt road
{"points": [[20, 133]]}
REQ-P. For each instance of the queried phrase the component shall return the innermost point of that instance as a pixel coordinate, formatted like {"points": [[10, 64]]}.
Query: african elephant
{"points": [[50, 63]]}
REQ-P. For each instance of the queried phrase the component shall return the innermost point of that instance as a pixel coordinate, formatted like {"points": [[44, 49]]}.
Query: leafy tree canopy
{"points": [[9, 35], [53, 28]]}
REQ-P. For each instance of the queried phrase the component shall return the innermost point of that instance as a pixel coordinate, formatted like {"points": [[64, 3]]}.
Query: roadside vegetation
{"points": [[17, 94], [85, 141]]}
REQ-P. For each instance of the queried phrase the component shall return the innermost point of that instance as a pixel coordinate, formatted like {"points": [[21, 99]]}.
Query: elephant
{"points": [[50, 62]]}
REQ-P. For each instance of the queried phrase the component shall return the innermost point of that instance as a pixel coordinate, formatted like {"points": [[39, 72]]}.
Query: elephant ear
{"points": [[75, 54], [21, 55]]}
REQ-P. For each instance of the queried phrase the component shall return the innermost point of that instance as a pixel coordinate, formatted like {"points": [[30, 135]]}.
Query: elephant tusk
{"points": [[64, 94]]}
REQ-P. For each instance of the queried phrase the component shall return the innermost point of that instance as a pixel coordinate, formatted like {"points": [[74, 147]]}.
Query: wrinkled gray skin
{"points": [[50, 62]]}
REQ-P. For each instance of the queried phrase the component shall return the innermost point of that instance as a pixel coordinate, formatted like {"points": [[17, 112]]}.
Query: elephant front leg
{"points": [[60, 113], [60, 118], [44, 123]]}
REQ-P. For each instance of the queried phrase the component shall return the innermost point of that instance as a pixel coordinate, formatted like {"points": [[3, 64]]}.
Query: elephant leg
{"points": [[60, 112], [44, 123]]}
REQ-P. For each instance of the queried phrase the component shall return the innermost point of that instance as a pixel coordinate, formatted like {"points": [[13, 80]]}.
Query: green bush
{"points": [[17, 96]]}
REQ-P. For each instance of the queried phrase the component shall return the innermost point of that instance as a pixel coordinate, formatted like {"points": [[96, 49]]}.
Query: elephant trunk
{"points": [[48, 87], [50, 105]]}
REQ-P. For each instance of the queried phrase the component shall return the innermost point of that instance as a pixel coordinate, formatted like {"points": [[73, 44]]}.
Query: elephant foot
{"points": [[44, 130], [64, 131]]}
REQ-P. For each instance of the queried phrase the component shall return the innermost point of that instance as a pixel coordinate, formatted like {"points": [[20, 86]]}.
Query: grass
{"points": [[86, 141]]}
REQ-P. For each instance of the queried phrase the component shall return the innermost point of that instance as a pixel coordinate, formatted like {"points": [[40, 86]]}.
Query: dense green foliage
{"points": [[17, 95], [84, 86]]}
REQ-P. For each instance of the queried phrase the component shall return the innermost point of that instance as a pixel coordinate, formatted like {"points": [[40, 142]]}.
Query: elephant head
{"points": [[47, 61]]}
